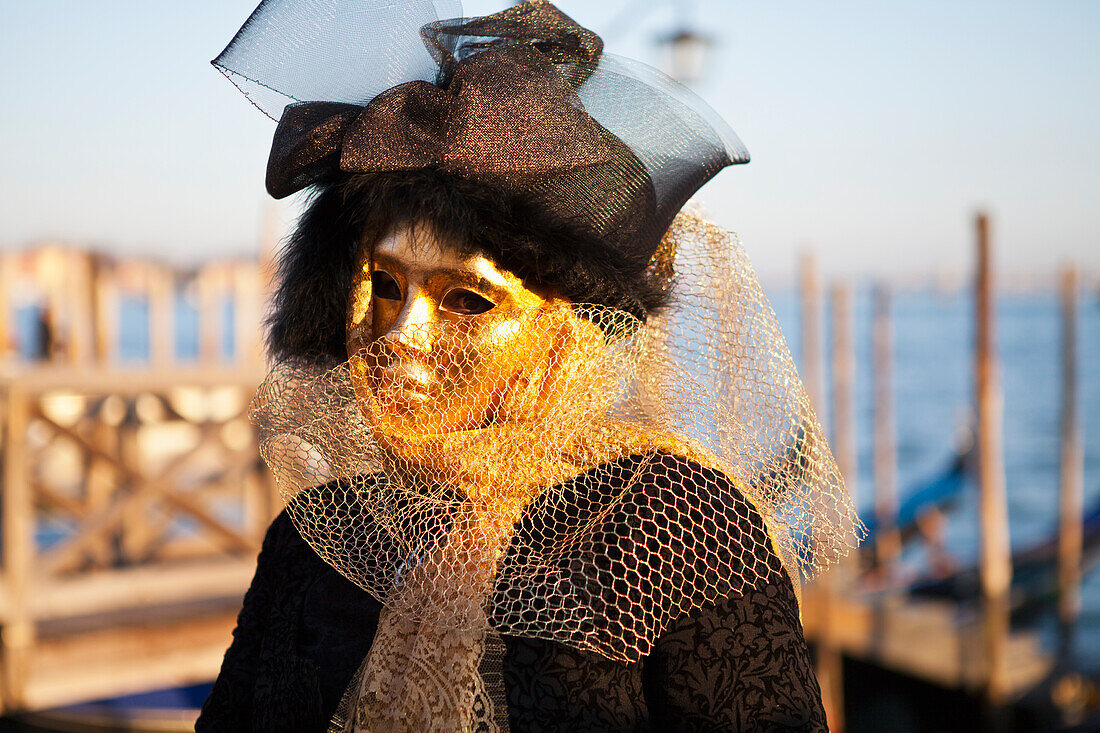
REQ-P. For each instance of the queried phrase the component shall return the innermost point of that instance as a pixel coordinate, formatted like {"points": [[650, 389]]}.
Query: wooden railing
{"points": [[121, 492]]}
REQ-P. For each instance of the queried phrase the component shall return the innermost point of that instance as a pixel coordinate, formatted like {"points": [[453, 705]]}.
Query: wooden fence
{"points": [[133, 507]]}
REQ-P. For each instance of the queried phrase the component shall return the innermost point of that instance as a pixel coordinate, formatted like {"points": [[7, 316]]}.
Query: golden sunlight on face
{"points": [[438, 337]]}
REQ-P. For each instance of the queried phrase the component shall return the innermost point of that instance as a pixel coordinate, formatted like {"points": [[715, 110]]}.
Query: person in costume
{"points": [[547, 463]]}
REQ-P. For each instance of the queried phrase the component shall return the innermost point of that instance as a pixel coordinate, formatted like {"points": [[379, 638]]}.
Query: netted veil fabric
{"points": [[524, 100], [585, 473], [548, 521]]}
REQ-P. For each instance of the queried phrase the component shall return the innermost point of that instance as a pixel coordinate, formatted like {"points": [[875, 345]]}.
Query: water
{"points": [[933, 390]]}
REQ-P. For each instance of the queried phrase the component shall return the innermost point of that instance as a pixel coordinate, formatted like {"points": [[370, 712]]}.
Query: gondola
{"points": [[940, 493], [1034, 571]]}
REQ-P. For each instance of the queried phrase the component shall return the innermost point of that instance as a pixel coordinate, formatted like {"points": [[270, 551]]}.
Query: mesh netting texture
{"points": [[582, 473], [571, 474]]}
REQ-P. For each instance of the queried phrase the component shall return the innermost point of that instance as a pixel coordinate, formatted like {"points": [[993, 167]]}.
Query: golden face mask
{"points": [[439, 339], [486, 461]]}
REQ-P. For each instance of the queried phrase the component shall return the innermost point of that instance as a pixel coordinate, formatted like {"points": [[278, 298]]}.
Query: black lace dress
{"points": [[740, 664]]}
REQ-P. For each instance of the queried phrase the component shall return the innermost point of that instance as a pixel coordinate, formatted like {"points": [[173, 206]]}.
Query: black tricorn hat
{"points": [[524, 100]]}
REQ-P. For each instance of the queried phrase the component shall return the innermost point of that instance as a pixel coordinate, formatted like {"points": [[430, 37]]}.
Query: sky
{"points": [[876, 129]]}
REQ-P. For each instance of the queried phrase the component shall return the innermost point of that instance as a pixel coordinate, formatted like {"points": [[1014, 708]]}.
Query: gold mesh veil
{"points": [[601, 474], [558, 518]]}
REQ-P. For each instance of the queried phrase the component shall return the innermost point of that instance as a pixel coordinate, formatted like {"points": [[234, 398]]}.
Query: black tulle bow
{"points": [[505, 110]]}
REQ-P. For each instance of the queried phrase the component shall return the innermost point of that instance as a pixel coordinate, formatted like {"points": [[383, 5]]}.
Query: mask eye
{"points": [[466, 302], [384, 286]]}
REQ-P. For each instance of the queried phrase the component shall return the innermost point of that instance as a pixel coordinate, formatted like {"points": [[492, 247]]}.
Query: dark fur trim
{"points": [[315, 266]]}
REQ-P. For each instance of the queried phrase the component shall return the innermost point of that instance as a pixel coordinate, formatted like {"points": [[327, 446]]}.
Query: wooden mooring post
{"points": [[210, 284], [7, 329], [17, 637], [887, 539], [1072, 477], [248, 304], [844, 400], [105, 298], [161, 292], [79, 331], [995, 554], [829, 659], [812, 315]]}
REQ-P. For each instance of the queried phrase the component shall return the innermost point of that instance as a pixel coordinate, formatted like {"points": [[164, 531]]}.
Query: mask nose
{"points": [[414, 329]]}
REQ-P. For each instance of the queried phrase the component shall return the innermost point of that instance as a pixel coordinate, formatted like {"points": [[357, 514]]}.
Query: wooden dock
{"points": [[157, 481], [134, 499], [969, 648], [928, 640]]}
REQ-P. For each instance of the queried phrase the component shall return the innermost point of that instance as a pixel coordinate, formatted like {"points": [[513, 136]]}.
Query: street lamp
{"points": [[686, 54]]}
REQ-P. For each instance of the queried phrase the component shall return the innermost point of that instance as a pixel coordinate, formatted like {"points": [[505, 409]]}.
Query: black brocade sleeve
{"points": [[740, 661], [263, 684], [730, 655], [739, 665], [229, 705]]}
